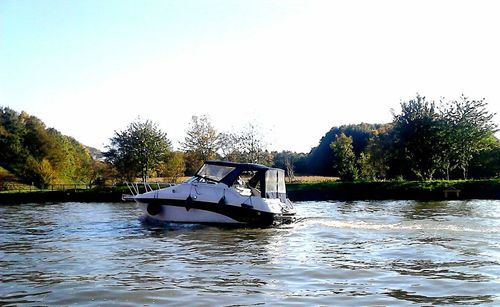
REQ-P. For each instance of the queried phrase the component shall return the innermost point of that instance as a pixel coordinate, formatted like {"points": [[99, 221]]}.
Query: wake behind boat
{"points": [[223, 193]]}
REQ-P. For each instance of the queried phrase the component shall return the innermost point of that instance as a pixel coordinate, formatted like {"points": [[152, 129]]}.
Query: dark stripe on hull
{"points": [[243, 214]]}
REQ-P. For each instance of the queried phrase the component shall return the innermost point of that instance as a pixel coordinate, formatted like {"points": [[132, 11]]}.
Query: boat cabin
{"points": [[247, 178]]}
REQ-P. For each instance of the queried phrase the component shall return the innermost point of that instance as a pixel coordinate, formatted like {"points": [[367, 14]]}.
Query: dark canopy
{"points": [[271, 179]]}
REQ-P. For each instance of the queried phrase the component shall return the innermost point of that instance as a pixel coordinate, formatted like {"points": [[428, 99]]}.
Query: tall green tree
{"points": [[173, 167], [40, 172], [418, 137], [345, 157], [200, 143], [139, 149], [12, 131], [486, 164], [467, 129], [367, 170], [378, 155]]}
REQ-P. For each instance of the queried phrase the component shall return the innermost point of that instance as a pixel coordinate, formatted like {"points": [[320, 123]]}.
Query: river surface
{"points": [[338, 253]]}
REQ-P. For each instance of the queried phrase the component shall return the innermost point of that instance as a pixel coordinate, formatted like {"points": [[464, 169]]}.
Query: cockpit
{"points": [[247, 178]]}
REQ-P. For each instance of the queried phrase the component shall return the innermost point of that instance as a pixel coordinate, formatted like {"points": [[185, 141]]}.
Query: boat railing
{"points": [[137, 188], [287, 206]]}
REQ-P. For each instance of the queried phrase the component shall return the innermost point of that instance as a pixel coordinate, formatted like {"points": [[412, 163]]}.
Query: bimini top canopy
{"points": [[270, 181], [227, 172]]}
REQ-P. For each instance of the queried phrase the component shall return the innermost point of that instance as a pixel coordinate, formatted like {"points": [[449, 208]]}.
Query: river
{"points": [[338, 253]]}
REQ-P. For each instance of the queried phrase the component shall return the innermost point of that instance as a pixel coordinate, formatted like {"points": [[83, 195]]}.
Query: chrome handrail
{"points": [[134, 187]]}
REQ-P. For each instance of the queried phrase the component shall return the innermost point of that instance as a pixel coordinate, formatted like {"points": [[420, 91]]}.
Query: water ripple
{"points": [[338, 253]]}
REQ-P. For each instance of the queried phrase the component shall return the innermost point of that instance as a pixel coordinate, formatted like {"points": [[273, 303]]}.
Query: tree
{"points": [[41, 173], [252, 145], [100, 171], [286, 160], [378, 156], [246, 145], [467, 129], [345, 157], [13, 153], [173, 167], [291, 162], [289, 167], [418, 137], [366, 167], [200, 143], [229, 144], [486, 164], [138, 149], [322, 155]]}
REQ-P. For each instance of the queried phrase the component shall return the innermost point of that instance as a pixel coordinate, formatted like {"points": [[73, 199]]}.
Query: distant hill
{"points": [[95, 153]]}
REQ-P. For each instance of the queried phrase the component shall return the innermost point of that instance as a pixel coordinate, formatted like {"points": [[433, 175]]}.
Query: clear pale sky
{"points": [[297, 68]]}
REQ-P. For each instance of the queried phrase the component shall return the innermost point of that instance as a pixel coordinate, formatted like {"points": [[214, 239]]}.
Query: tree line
{"points": [[426, 140], [142, 148]]}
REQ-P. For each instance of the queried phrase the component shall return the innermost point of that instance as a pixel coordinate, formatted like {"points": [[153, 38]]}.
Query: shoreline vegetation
{"points": [[396, 190], [430, 150], [302, 191]]}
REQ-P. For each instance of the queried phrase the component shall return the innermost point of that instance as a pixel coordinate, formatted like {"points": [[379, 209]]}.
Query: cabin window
{"points": [[275, 184], [248, 184], [214, 172]]}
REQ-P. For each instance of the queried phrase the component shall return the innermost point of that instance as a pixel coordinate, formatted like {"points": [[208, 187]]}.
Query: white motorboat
{"points": [[223, 193]]}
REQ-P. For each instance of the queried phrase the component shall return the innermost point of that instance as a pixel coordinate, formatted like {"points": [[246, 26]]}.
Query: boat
{"points": [[222, 192]]}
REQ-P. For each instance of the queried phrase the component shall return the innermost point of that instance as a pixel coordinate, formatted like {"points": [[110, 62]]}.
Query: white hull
{"points": [[177, 214]]}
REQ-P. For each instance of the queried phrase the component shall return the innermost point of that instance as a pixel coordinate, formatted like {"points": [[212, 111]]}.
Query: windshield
{"points": [[214, 172]]}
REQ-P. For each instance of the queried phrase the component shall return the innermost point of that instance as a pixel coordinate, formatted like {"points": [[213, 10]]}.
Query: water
{"points": [[339, 253]]}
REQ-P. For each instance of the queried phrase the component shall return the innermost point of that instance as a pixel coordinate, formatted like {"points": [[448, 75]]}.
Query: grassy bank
{"points": [[327, 190], [418, 190]]}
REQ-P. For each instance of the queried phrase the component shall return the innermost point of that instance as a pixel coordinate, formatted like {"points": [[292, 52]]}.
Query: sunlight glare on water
{"points": [[337, 253]]}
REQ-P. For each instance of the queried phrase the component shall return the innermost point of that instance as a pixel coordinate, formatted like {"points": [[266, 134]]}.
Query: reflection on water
{"points": [[448, 300], [339, 253]]}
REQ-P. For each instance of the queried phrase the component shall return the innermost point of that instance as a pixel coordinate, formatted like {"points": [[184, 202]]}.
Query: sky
{"points": [[293, 68]]}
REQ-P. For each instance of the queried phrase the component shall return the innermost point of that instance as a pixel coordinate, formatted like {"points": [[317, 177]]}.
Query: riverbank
{"points": [[94, 195], [397, 190]]}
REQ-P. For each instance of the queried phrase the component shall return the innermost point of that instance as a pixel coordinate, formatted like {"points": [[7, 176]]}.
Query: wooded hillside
{"points": [[40, 155]]}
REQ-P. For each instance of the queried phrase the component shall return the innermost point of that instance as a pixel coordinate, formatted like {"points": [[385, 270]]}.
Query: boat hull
{"points": [[210, 213]]}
